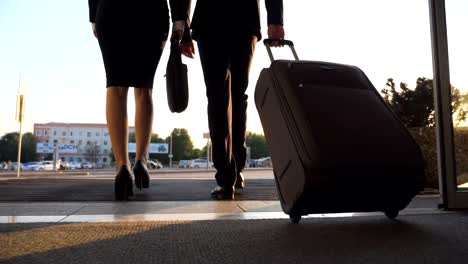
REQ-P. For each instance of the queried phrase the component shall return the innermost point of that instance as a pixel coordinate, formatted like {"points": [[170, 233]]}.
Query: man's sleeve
{"points": [[92, 4], [275, 12], [180, 9]]}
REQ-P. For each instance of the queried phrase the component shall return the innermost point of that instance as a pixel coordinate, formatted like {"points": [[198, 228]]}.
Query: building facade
{"points": [[92, 140]]}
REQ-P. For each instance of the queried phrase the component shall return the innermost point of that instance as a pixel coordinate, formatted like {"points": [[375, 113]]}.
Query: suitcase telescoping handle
{"points": [[283, 42]]}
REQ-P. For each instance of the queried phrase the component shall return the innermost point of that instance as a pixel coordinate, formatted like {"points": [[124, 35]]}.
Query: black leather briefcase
{"points": [[176, 81]]}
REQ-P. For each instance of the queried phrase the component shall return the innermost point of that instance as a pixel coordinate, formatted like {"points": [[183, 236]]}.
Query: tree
{"points": [[92, 151], [111, 155], [28, 147], [156, 139], [257, 144], [198, 153], [9, 147], [182, 145], [415, 108]]}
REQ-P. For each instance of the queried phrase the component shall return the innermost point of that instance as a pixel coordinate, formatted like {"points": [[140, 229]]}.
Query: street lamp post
{"points": [[170, 152], [19, 117], [208, 152]]}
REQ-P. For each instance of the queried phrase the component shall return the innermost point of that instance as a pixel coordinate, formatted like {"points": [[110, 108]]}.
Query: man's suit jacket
{"points": [[215, 17], [180, 9]]}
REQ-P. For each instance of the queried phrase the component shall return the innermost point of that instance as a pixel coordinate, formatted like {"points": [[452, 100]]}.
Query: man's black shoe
{"points": [[240, 184], [222, 193]]}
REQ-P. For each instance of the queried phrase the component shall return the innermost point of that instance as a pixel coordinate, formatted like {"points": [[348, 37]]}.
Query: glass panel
{"points": [[457, 19]]}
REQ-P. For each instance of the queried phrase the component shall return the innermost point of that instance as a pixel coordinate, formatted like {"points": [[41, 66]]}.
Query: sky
{"points": [[49, 46]]}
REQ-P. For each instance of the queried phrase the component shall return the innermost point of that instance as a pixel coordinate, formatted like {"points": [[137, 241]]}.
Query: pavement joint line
{"points": [[240, 207], [83, 206], [199, 216], [64, 217]]}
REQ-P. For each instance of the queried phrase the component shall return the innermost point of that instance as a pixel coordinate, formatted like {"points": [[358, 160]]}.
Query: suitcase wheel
{"points": [[391, 214], [295, 218]]}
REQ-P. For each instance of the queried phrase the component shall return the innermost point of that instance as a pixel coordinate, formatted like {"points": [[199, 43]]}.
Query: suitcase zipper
{"points": [[291, 124]]}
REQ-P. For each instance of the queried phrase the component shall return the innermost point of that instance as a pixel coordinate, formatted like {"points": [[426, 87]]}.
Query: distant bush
{"points": [[426, 138]]}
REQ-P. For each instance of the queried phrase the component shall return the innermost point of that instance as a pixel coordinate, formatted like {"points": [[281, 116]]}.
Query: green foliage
{"points": [[198, 153], [156, 139], [28, 147], [257, 144], [112, 156], [9, 147], [182, 146], [415, 108]]}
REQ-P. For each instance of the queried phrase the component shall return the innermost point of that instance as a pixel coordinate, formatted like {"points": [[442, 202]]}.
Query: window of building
{"points": [[104, 159], [97, 134], [72, 141], [89, 134], [71, 133], [106, 134], [47, 141], [105, 151], [55, 133], [55, 141], [105, 142], [39, 133], [64, 133], [46, 133]]}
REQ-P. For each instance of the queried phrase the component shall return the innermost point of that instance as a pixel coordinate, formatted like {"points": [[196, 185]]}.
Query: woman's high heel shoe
{"points": [[123, 186], [142, 177]]}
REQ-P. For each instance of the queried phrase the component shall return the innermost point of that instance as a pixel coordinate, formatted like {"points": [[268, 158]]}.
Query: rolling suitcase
{"points": [[335, 144]]}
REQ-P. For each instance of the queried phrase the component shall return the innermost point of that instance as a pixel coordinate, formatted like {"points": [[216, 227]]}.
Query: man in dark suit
{"points": [[226, 33]]}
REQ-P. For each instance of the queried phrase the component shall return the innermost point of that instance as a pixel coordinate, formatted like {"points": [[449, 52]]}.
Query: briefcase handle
{"points": [[283, 42]]}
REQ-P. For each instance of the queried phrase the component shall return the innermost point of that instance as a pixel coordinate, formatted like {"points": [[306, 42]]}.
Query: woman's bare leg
{"points": [[143, 121], [117, 123]]}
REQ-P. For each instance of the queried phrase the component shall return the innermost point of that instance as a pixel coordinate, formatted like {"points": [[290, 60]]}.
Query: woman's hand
{"points": [[93, 25]]}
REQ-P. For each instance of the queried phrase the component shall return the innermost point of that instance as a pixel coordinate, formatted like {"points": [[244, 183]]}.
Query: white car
{"points": [[87, 165], [199, 163], [75, 165], [23, 167], [43, 165], [154, 164], [184, 163]]}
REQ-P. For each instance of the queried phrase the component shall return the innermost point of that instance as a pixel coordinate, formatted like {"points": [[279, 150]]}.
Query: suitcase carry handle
{"points": [[289, 43]]}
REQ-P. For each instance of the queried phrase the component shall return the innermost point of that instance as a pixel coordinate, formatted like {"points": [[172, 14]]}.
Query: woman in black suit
{"points": [[131, 35]]}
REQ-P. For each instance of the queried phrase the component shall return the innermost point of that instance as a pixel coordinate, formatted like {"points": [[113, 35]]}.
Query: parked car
{"points": [[184, 163], [252, 163], [23, 166], [264, 162], [154, 164], [75, 165], [199, 163], [44, 165], [87, 165]]}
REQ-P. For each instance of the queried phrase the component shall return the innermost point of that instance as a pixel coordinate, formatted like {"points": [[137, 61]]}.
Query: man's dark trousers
{"points": [[226, 64]]}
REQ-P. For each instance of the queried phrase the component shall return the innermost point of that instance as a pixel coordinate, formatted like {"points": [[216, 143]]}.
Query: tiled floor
{"points": [[24, 212], [18, 212]]}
